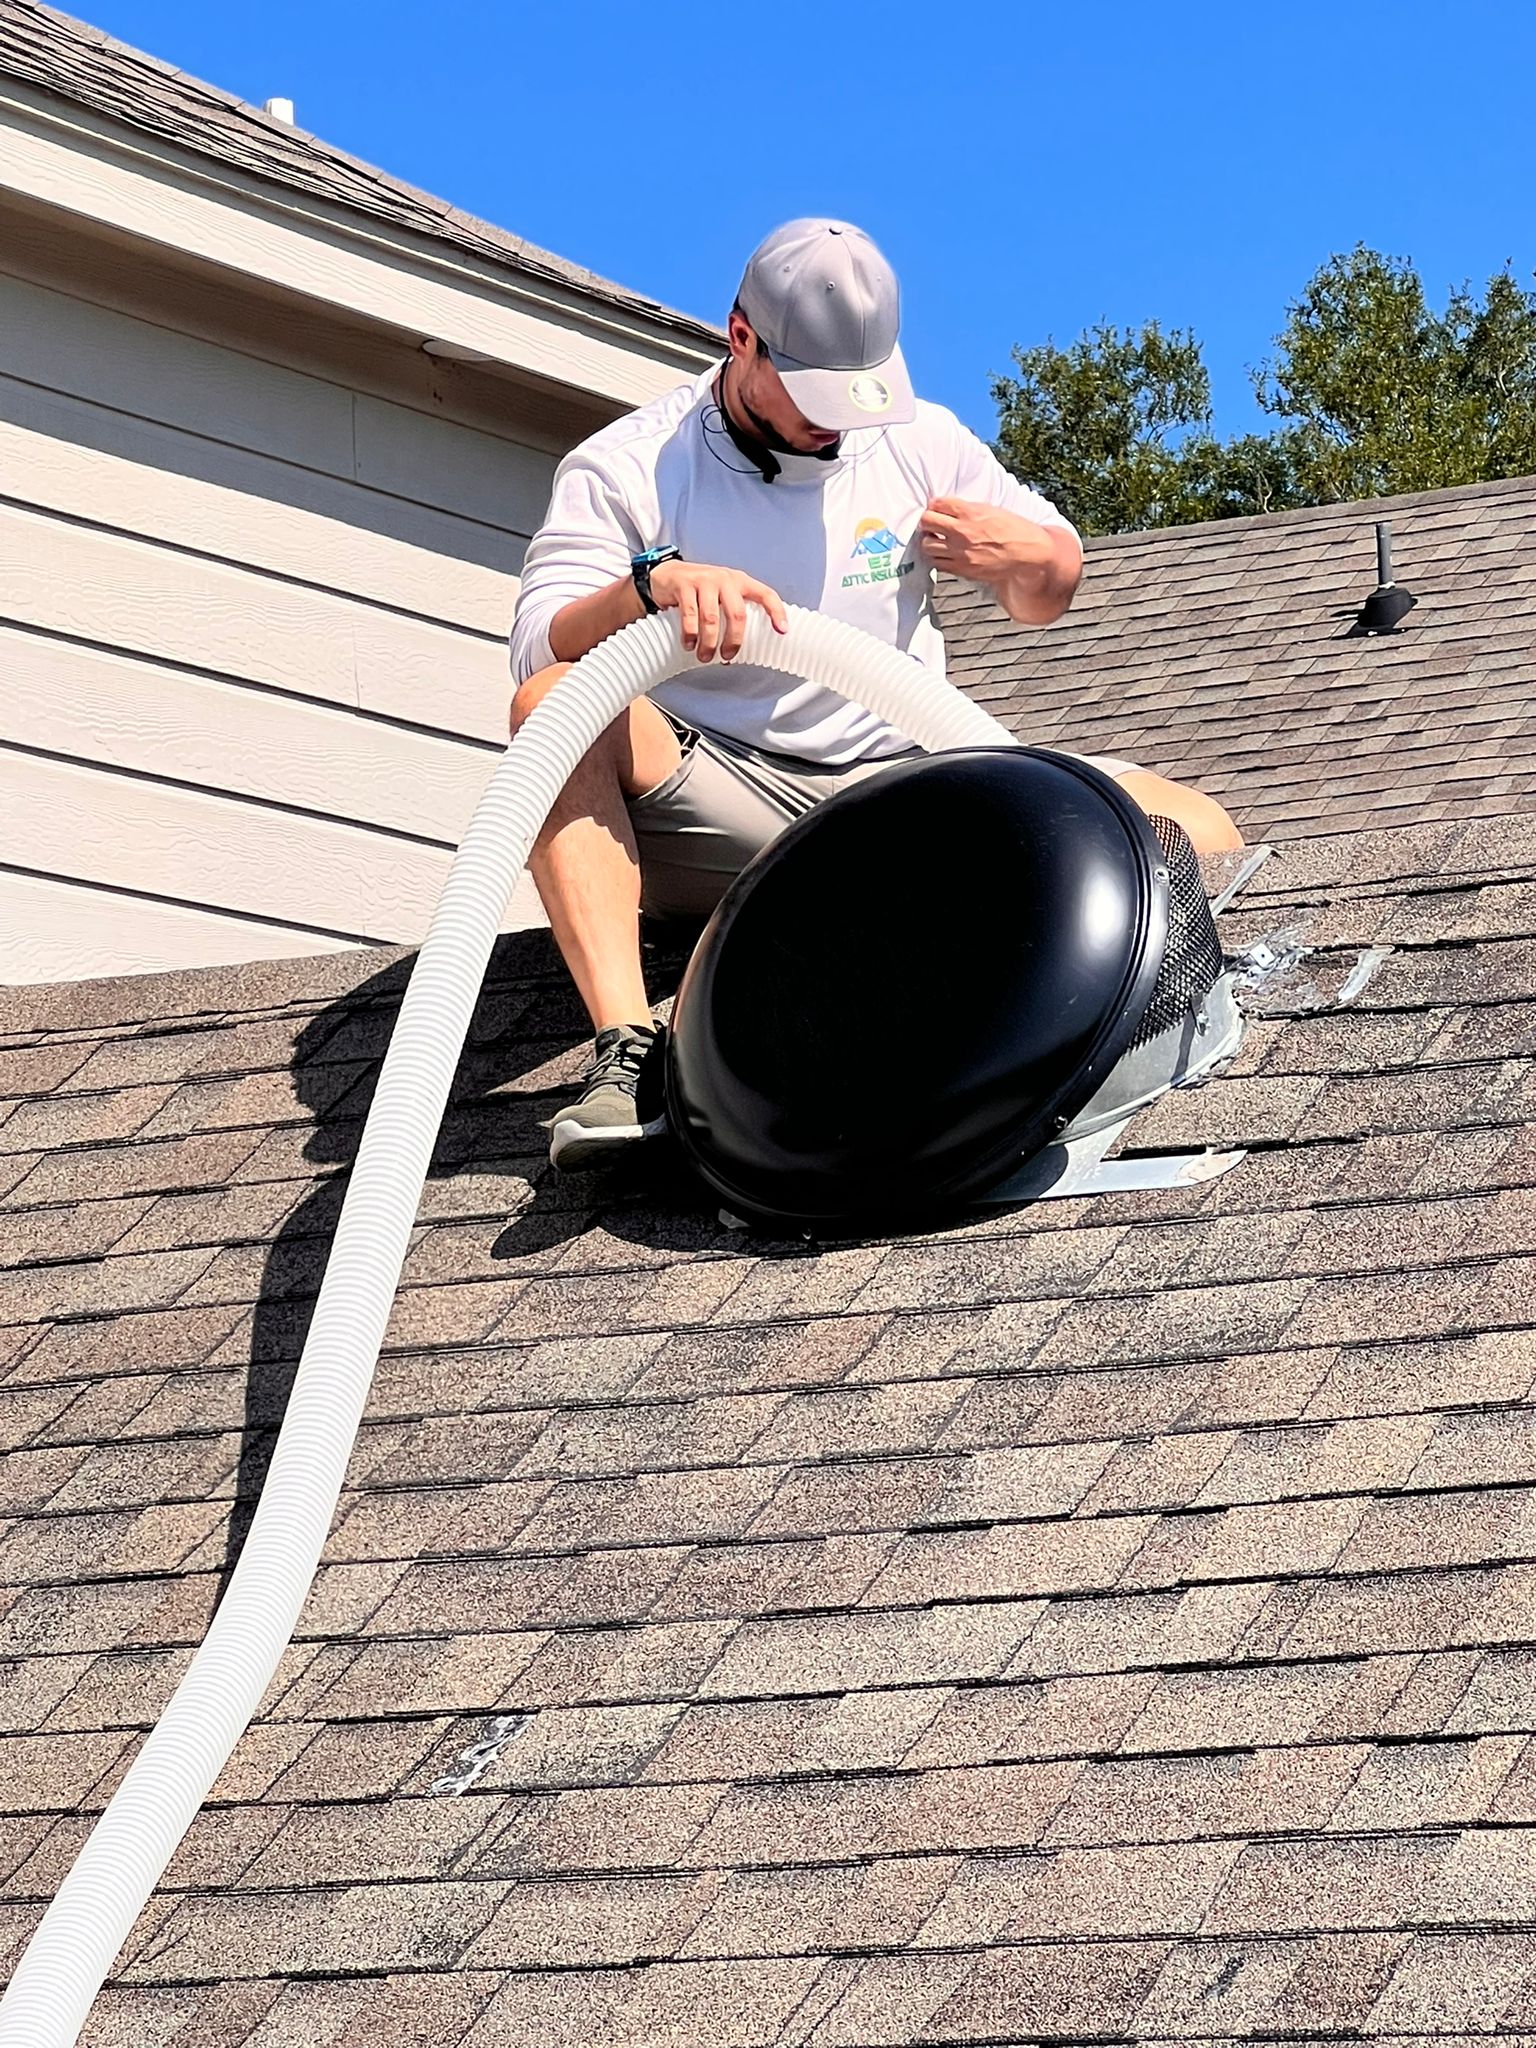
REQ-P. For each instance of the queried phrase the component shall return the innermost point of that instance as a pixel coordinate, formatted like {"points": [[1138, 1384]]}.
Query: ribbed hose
{"points": [[74, 1947]]}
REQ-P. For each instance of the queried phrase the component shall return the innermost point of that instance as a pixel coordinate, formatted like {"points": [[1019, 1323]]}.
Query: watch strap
{"points": [[640, 567]]}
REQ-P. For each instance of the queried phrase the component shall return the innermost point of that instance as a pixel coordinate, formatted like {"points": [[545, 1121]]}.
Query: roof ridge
{"points": [[1309, 515]]}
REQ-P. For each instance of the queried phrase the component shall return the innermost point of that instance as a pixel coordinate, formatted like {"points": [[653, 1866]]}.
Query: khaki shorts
{"points": [[724, 803]]}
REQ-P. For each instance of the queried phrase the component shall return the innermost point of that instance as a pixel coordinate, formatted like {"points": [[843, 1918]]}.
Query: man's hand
{"points": [[1033, 570], [982, 543], [713, 604]]}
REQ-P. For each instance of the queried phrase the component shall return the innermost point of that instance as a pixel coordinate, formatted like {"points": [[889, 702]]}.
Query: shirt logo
{"points": [[874, 537], [875, 548]]}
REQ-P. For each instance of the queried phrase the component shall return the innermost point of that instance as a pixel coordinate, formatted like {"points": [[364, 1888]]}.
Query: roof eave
{"points": [[507, 306]]}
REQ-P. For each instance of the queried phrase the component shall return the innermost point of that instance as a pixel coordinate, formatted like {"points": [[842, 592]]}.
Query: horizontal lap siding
{"points": [[88, 462], [75, 581], [184, 844], [63, 931], [252, 647], [65, 344], [89, 704]]}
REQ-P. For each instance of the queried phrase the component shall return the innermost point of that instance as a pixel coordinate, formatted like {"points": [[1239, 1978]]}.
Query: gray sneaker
{"points": [[614, 1108]]}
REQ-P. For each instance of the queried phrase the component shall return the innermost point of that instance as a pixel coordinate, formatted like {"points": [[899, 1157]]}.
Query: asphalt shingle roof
{"points": [[58, 54], [1218, 655], [1113, 1618]]}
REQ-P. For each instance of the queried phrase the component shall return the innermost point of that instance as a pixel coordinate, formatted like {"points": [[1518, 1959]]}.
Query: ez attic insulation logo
{"points": [[875, 548]]}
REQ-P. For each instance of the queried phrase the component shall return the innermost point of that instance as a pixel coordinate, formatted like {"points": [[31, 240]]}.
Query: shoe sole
{"points": [[576, 1147]]}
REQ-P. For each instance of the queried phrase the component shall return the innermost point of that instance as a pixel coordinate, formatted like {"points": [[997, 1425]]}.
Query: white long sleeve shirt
{"points": [[838, 536]]}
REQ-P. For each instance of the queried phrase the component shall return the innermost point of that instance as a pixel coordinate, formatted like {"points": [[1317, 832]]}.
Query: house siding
{"points": [[252, 641]]}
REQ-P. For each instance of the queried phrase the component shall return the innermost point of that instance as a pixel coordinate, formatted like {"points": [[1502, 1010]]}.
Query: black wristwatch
{"points": [[640, 567]]}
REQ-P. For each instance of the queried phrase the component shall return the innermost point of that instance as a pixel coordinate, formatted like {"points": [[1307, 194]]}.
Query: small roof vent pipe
{"points": [[1388, 602], [280, 110]]}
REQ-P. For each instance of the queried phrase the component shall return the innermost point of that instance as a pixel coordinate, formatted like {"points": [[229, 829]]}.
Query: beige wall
{"points": [[268, 464], [252, 629]]}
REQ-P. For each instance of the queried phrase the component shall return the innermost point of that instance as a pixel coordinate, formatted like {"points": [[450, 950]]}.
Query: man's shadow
{"points": [[527, 1043]]}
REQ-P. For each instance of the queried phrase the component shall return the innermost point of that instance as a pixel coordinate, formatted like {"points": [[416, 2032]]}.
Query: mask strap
{"points": [[757, 452]]}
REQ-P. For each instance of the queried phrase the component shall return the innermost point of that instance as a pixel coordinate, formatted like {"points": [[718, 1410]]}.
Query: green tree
{"points": [[1232, 479], [1373, 392], [1097, 426], [1382, 394]]}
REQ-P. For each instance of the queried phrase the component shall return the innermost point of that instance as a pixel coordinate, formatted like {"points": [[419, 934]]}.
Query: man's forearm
{"points": [[586, 621], [1036, 593]]}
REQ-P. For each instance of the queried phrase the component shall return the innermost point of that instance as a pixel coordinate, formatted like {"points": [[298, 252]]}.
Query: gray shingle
{"points": [[796, 1738], [1082, 1894], [787, 1912], [1445, 1982], [1322, 1983], [596, 1923], [611, 1829], [846, 1651], [1069, 1988], [1186, 1798], [689, 2005], [1097, 681]]}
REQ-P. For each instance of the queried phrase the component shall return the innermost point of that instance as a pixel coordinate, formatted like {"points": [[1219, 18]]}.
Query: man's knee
{"points": [[534, 691], [1210, 827], [640, 747]]}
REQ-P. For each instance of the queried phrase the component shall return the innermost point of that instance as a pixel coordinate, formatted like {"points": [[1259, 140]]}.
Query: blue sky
{"points": [[1029, 169]]}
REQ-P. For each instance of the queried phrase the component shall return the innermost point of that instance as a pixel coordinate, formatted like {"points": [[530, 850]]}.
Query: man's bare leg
{"points": [[585, 861]]}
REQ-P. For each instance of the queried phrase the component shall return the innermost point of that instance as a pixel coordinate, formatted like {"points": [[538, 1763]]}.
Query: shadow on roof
{"points": [[527, 1041]]}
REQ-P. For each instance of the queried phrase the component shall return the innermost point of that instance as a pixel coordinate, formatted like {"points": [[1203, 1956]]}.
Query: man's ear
{"points": [[744, 336]]}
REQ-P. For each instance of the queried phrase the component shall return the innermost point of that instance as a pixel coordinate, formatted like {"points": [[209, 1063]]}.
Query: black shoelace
{"points": [[621, 1060]]}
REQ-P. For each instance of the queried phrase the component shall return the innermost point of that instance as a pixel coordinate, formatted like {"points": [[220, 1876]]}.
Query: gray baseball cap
{"points": [[825, 305]]}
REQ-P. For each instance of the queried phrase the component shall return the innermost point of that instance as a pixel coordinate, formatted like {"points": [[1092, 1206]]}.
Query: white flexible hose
{"points": [[81, 1933]]}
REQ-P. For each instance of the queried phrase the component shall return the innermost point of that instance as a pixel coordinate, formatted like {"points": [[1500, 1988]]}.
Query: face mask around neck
{"points": [[764, 445]]}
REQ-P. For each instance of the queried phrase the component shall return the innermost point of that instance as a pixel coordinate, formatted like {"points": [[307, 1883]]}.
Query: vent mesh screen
{"points": [[1192, 961]]}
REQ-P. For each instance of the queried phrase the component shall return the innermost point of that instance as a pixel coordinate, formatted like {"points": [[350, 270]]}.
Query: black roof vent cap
{"points": [[1388, 602]]}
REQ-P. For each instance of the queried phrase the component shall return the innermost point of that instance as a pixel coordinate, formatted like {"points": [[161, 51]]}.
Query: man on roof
{"points": [[800, 470]]}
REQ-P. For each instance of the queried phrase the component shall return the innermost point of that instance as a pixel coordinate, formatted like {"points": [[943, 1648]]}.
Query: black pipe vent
{"points": [[1388, 602]]}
